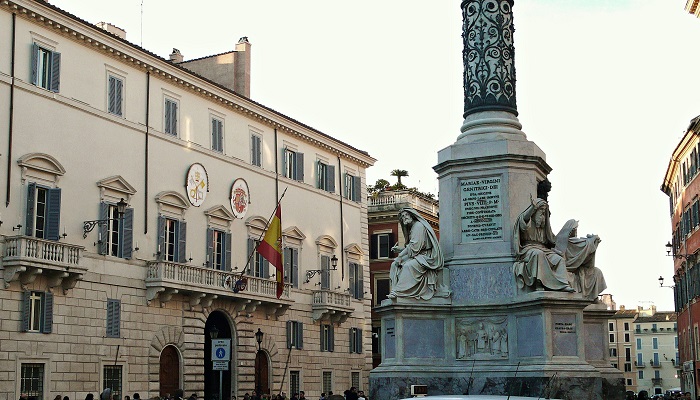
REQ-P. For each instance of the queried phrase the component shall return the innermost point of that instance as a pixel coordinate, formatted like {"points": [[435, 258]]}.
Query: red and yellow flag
{"points": [[271, 248]]}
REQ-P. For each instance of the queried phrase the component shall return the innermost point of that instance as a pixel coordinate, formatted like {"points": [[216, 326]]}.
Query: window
{"points": [[217, 135], [43, 212], [113, 318], [32, 381], [171, 239], [115, 98], [355, 379], [352, 188], [614, 365], [218, 249], [293, 165], [628, 354], [115, 238], [356, 281], [655, 361], [327, 338], [627, 326], [628, 367], [256, 150], [640, 359], [675, 344], [325, 176], [112, 378], [37, 312], [170, 121], [613, 352], [655, 343], [382, 289], [654, 327], [291, 266], [639, 343], [638, 328], [612, 338], [325, 272], [259, 267], [640, 374], [294, 382], [611, 327], [46, 68], [657, 374], [327, 382], [380, 245], [375, 339], [295, 335], [356, 341], [629, 382], [627, 337]]}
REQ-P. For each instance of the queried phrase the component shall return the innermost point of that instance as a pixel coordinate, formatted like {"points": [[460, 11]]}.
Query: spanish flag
{"points": [[271, 247]]}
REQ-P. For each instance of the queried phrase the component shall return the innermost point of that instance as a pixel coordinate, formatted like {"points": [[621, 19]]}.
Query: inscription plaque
{"points": [[482, 212]]}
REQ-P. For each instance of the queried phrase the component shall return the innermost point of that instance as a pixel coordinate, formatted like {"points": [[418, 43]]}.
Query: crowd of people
{"points": [[644, 395]]}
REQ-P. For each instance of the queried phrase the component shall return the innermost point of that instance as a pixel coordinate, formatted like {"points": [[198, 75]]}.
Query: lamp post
{"points": [[258, 338], [213, 334], [88, 226], [310, 273], [687, 259]]}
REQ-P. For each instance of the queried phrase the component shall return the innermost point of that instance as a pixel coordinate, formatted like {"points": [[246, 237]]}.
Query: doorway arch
{"points": [[169, 379], [262, 372], [214, 380]]}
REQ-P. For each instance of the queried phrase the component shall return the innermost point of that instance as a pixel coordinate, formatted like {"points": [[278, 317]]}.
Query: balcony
{"points": [[203, 285], [640, 365], [655, 364], [402, 198], [25, 257], [332, 306], [656, 381]]}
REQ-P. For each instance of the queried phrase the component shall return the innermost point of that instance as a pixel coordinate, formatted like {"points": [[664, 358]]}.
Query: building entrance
{"points": [[217, 384], [169, 371]]}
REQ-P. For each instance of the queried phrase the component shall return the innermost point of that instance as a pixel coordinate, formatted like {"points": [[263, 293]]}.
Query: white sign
{"points": [[219, 366], [220, 350]]}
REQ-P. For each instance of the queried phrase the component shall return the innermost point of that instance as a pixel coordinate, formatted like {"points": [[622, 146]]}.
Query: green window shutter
{"points": [[227, 252], [161, 237], [251, 260], [48, 313], [111, 94], [35, 64], [210, 247], [351, 340], [360, 284], [181, 241], [103, 229], [322, 339], [53, 214], [325, 272], [331, 342], [357, 189], [113, 318], [330, 178], [26, 310], [299, 167], [290, 326], [55, 71], [300, 335], [358, 342], [128, 234], [29, 221], [295, 268], [287, 263], [118, 101], [352, 279]]}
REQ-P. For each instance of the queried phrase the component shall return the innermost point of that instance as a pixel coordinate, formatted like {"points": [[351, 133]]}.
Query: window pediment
{"points": [[293, 236], [219, 215], [172, 202], [41, 166], [115, 187], [326, 243], [256, 225]]}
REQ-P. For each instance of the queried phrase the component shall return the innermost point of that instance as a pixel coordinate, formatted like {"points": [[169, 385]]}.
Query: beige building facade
{"points": [[164, 294]]}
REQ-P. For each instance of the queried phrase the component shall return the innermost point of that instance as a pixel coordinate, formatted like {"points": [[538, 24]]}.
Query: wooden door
{"points": [[262, 374], [169, 371]]}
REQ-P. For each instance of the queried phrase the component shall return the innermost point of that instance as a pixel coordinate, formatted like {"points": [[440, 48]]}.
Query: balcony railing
{"points": [[204, 285], [393, 197], [656, 381], [640, 365], [333, 306], [26, 257]]}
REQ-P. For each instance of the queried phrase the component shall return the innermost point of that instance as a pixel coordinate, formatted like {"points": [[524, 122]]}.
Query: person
{"points": [[323, 396], [58, 397], [643, 395], [23, 396], [106, 394], [583, 275], [91, 396], [136, 396], [179, 394], [351, 394], [246, 396], [538, 265], [67, 398], [417, 270], [302, 395], [361, 395], [193, 396]]}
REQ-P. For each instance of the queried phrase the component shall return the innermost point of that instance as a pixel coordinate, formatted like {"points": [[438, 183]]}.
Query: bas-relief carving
{"points": [[482, 338], [547, 262], [417, 270]]}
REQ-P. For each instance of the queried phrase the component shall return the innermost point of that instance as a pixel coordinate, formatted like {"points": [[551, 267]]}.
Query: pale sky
{"points": [[605, 88]]}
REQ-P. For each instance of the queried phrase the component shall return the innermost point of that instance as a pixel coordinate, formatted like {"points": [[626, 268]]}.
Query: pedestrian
{"points": [[246, 396], [136, 396], [302, 396], [106, 394], [351, 394], [323, 396], [22, 396], [125, 397], [90, 396], [58, 397], [65, 398], [361, 395]]}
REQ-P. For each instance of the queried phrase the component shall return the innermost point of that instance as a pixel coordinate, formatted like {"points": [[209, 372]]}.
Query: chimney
{"points": [[114, 30], [241, 67], [176, 57], [622, 308]]}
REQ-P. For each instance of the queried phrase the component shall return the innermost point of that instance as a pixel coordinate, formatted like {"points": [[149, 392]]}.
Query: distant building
{"points": [[691, 6], [682, 187], [136, 189], [384, 232], [622, 352]]}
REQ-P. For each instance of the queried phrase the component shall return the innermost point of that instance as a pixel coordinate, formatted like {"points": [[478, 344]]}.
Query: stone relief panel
{"points": [[482, 338]]}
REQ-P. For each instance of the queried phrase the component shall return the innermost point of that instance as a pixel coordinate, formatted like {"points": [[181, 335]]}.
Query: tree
{"points": [[381, 184], [399, 173]]}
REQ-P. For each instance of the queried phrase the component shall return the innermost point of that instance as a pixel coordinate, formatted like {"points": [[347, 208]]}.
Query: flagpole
{"points": [[267, 225]]}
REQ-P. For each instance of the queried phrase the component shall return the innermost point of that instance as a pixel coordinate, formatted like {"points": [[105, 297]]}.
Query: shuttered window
{"points": [[116, 237], [259, 266], [171, 117], [115, 91], [43, 216], [256, 150], [356, 280], [295, 335], [327, 339], [113, 318], [172, 239], [325, 272], [325, 176], [46, 68], [293, 165], [37, 312], [352, 187], [217, 135], [291, 266], [355, 340], [219, 249]]}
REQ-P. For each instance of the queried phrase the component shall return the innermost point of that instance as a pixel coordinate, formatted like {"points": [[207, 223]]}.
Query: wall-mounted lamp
{"points": [[88, 226], [334, 264], [661, 283]]}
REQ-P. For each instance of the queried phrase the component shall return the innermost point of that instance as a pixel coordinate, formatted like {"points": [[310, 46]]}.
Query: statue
{"points": [[538, 264], [417, 270], [584, 276]]}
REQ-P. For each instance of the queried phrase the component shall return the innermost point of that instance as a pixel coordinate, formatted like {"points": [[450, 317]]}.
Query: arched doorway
{"points": [[214, 380], [169, 370], [262, 372]]}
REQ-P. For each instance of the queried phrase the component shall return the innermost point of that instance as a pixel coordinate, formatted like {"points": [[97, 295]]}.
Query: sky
{"points": [[605, 88]]}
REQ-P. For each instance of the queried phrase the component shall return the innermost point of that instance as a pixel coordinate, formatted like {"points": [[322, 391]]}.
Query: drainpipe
{"points": [[12, 113], [145, 155], [342, 237]]}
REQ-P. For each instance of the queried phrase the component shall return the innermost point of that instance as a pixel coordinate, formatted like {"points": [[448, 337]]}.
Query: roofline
{"points": [[692, 130], [20, 9]]}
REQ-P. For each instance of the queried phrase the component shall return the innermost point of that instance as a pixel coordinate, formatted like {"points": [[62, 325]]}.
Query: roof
{"points": [[620, 314], [659, 316], [99, 30]]}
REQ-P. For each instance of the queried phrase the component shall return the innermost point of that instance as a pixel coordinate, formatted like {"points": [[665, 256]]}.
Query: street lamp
{"points": [[688, 258], [258, 338], [661, 283], [310, 273], [88, 226]]}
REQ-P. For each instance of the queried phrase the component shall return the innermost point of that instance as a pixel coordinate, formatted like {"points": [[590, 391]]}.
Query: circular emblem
{"points": [[197, 184], [240, 197]]}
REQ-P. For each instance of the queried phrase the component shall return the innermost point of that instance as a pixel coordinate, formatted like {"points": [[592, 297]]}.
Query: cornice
{"points": [[74, 28]]}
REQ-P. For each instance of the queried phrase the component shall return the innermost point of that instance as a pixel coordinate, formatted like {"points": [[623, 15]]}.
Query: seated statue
{"points": [[417, 270], [584, 276], [538, 265]]}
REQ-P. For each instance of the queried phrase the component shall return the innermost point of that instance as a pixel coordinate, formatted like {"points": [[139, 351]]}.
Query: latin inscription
{"points": [[564, 327], [482, 215]]}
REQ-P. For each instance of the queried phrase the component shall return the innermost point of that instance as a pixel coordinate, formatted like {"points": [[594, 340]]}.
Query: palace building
{"points": [[136, 189]]}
